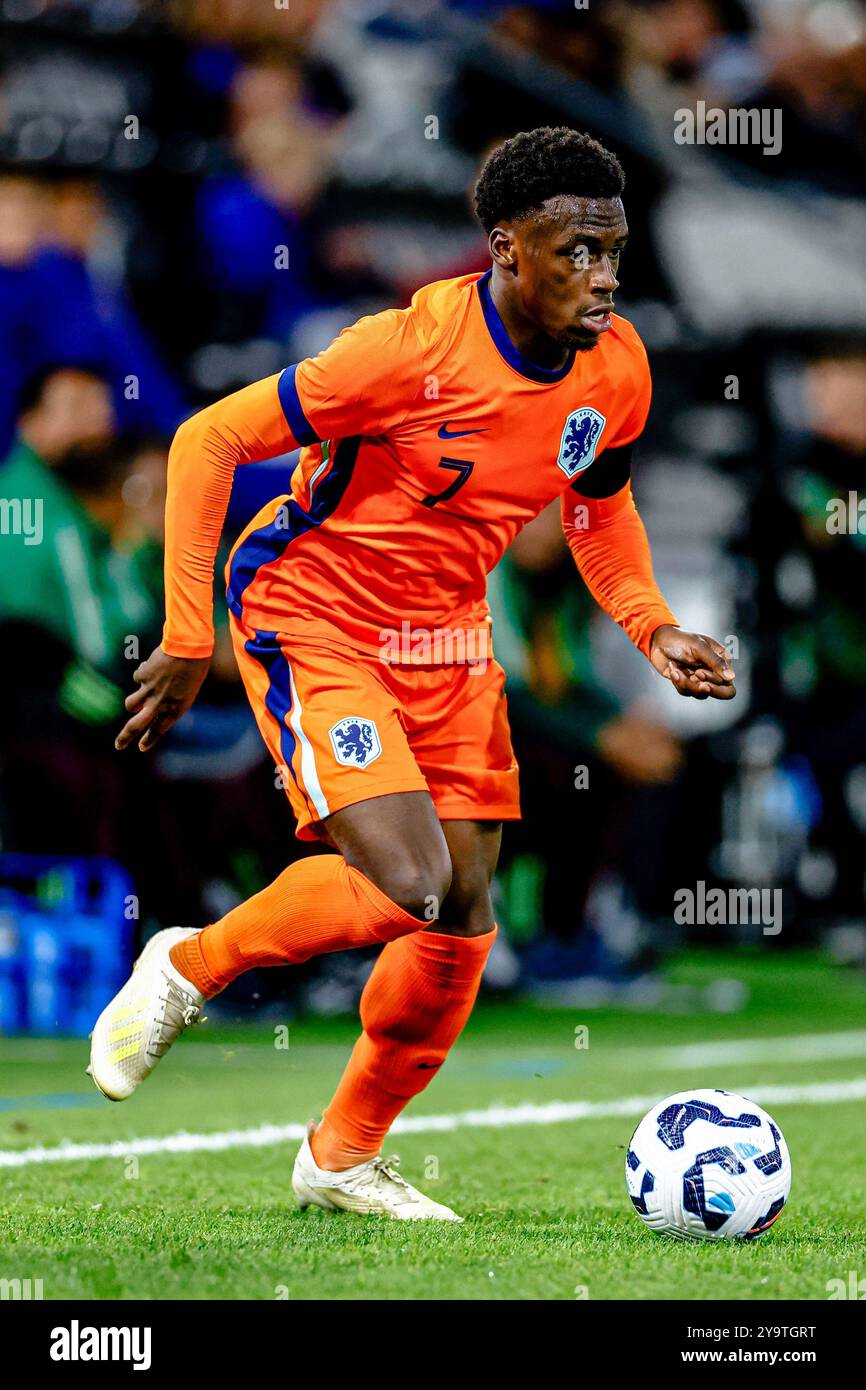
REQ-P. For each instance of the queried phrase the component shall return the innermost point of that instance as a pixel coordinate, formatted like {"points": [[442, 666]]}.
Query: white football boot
{"points": [[373, 1188], [140, 1024]]}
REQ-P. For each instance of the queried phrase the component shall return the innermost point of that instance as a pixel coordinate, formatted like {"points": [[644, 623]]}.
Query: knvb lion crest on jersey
{"points": [[355, 741], [579, 440]]}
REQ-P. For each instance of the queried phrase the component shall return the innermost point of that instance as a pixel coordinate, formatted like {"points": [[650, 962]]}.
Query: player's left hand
{"points": [[695, 665]]}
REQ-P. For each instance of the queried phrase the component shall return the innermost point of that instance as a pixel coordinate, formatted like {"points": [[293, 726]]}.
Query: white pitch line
{"points": [[803, 1047], [495, 1117]]}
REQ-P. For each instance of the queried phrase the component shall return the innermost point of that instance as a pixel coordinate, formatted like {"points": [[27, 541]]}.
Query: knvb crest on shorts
{"points": [[355, 741], [579, 441]]}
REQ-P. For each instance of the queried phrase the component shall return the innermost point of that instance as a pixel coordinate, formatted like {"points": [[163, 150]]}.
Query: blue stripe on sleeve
{"points": [[293, 410]]}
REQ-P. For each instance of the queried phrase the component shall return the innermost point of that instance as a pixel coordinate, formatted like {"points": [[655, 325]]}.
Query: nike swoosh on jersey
{"points": [[445, 433]]}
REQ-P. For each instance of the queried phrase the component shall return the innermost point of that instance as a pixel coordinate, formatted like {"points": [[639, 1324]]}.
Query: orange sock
{"points": [[316, 905], [413, 1009]]}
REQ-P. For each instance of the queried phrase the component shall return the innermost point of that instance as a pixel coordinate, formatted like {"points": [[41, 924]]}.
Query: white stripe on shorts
{"points": [[308, 758]]}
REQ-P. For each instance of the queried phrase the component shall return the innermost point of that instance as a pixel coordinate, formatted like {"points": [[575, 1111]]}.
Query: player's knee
{"points": [[419, 884], [467, 913], [479, 920]]}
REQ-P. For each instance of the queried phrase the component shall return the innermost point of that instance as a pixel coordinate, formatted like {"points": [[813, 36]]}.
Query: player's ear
{"points": [[503, 248]]}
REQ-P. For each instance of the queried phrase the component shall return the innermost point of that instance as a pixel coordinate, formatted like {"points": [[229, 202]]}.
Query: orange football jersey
{"points": [[428, 441]]}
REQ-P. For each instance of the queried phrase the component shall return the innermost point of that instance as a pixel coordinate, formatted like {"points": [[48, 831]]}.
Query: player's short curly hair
{"points": [[523, 172]]}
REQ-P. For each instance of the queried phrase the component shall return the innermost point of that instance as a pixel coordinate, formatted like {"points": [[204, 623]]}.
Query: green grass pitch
{"points": [[546, 1211]]}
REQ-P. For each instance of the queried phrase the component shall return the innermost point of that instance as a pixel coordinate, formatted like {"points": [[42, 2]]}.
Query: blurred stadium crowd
{"points": [[195, 193]]}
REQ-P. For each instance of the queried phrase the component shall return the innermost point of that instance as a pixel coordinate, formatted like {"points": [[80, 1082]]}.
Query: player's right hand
{"points": [[167, 686]]}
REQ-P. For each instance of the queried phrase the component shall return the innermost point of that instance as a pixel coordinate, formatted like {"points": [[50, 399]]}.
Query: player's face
{"points": [[565, 267]]}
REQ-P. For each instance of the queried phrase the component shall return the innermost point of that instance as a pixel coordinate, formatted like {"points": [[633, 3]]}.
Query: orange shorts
{"points": [[343, 727]]}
